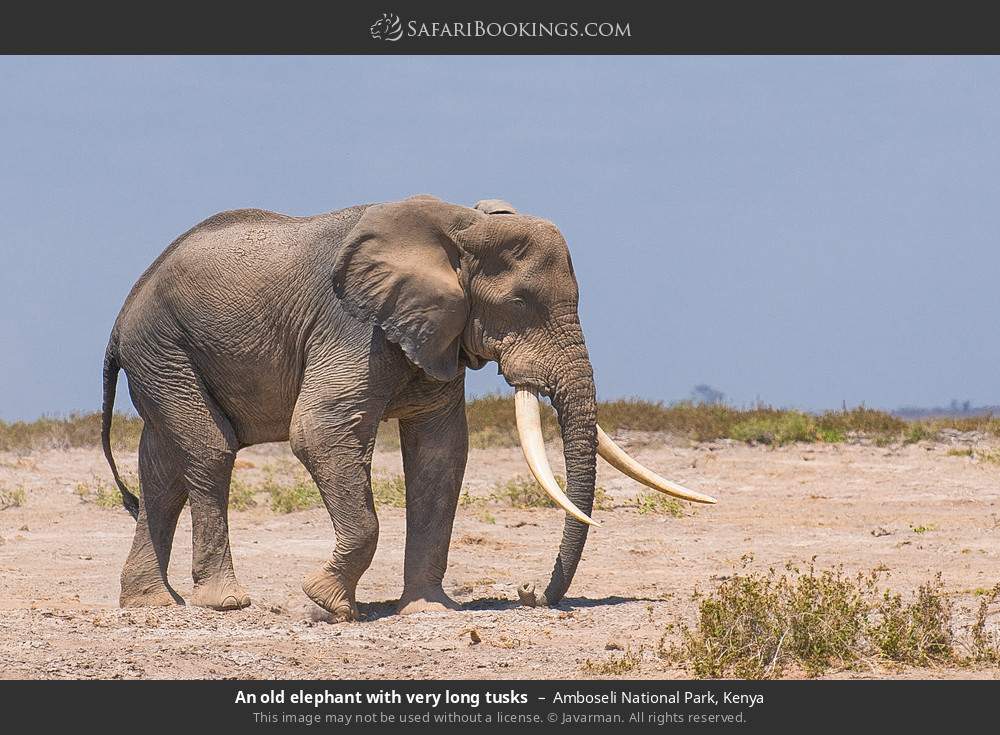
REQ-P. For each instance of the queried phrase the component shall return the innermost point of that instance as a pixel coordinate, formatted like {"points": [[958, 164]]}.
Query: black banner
{"points": [[464, 706], [392, 27]]}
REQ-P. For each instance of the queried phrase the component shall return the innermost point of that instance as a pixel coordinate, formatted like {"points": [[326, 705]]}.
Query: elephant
{"points": [[259, 327]]}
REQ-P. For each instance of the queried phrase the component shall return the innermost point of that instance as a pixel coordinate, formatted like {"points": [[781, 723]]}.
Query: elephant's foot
{"points": [[158, 596], [328, 589], [220, 593], [428, 600]]}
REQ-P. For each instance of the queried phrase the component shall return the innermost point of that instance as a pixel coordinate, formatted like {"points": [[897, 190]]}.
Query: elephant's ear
{"points": [[398, 268], [494, 206]]}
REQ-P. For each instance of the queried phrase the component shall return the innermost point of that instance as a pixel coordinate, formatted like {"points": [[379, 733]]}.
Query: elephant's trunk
{"points": [[574, 399]]}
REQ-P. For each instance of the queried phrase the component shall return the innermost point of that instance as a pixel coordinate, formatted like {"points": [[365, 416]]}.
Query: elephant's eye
{"points": [[518, 302]]}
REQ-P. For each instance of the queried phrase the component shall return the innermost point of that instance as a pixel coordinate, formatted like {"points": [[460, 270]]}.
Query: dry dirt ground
{"points": [[844, 504]]}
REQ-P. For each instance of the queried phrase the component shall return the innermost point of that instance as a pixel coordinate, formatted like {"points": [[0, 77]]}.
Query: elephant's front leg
{"points": [[435, 448]]}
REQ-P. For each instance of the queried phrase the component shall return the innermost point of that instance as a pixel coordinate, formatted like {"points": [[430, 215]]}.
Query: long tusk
{"points": [[617, 458], [529, 431]]}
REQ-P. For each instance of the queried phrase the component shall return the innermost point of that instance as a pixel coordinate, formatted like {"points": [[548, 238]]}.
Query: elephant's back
{"points": [[239, 256], [237, 297]]}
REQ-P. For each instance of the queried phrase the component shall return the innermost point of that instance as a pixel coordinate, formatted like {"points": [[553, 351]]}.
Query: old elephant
{"points": [[259, 327]]}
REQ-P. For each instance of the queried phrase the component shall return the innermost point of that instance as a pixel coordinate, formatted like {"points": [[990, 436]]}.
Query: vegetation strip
{"points": [[492, 424]]}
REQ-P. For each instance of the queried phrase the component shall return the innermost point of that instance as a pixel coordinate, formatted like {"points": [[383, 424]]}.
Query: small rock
{"points": [[877, 532], [612, 646]]}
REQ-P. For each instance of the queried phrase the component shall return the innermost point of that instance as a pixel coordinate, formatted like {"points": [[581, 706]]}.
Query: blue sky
{"points": [[805, 231]]}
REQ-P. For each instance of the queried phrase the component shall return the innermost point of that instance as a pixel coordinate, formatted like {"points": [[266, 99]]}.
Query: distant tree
{"points": [[704, 393], [965, 407]]}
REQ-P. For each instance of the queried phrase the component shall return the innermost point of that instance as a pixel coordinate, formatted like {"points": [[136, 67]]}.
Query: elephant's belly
{"points": [[258, 399]]}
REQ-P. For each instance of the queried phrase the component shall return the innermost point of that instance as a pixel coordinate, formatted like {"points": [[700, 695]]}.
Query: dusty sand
{"points": [[60, 559]]}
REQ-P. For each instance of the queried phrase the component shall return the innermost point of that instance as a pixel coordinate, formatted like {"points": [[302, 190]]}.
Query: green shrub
{"points": [[242, 494], [782, 429], [105, 494], [827, 615], [478, 503], [389, 490], [918, 432], [467, 500], [918, 632], [755, 625], [740, 630], [524, 492], [492, 422], [659, 504], [829, 435], [860, 420], [985, 644], [602, 500], [300, 494], [698, 421], [521, 492]]}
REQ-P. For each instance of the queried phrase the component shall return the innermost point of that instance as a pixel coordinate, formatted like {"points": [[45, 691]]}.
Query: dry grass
{"points": [[492, 424], [12, 497], [74, 430], [290, 489], [755, 625], [980, 455], [615, 665], [523, 492], [105, 494]]}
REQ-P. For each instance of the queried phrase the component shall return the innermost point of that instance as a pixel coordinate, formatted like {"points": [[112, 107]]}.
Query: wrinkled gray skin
{"points": [[258, 327]]}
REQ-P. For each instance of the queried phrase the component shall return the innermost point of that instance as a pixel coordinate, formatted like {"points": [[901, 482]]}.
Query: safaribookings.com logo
{"points": [[387, 28], [390, 28]]}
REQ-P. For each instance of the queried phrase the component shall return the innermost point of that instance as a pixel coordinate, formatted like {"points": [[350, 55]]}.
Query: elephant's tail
{"points": [[111, 368]]}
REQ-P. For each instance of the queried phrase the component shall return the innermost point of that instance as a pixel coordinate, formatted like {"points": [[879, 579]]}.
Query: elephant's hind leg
{"points": [[208, 478], [144, 577], [192, 443], [338, 457], [215, 583]]}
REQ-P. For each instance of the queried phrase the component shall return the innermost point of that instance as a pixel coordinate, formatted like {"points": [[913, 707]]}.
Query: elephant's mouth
{"points": [[529, 431], [470, 360]]}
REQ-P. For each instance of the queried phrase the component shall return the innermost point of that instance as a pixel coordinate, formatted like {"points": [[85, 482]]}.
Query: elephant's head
{"points": [[455, 286]]}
